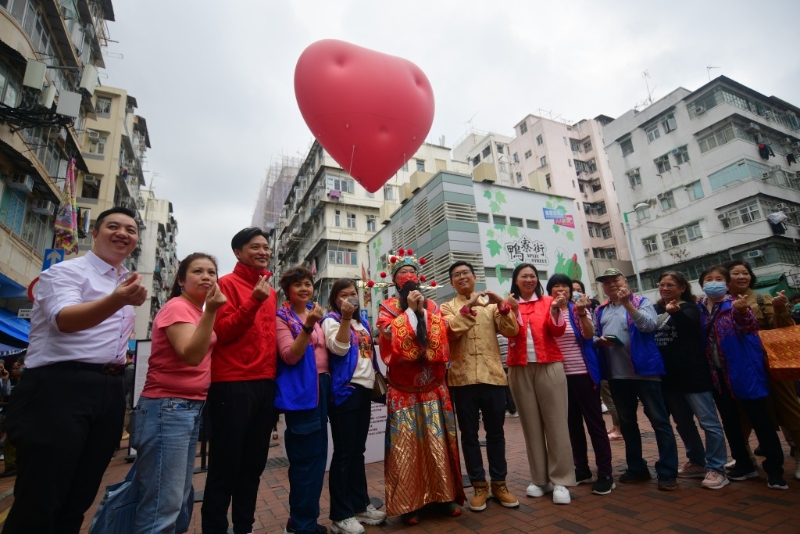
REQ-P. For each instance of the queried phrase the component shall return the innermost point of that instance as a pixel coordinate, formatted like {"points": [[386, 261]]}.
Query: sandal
{"points": [[410, 518]]}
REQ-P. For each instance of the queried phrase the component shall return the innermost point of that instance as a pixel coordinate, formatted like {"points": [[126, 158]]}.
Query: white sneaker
{"points": [[603, 407], [371, 516], [509, 414], [561, 495], [347, 526], [538, 491]]}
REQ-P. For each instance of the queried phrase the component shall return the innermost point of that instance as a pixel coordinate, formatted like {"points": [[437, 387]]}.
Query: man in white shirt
{"points": [[66, 414]]}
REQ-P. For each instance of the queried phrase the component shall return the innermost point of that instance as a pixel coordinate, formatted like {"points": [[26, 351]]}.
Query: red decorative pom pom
{"points": [[371, 283], [433, 284], [422, 278], [401, 252], [393, 259], [422, 261], [409, 252], [383, 274]]}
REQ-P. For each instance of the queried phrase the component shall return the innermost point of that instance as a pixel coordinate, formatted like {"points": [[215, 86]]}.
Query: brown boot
{"points": [[500, 492], [478, 502]]}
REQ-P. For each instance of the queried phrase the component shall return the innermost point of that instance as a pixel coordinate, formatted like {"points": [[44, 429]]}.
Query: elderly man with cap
{"points": [[625, 328], [421, 464]]}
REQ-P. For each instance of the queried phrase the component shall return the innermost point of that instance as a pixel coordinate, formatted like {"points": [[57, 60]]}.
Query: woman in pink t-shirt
{"points": [[166, 421]]}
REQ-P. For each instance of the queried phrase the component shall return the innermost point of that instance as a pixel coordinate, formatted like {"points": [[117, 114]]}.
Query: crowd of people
{"points": [[223, 345]]}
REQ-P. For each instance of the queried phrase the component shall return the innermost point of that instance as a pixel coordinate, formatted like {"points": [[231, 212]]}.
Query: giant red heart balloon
{"points": [[370, 111]]}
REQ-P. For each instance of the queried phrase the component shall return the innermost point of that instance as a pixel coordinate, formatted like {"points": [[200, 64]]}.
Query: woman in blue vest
{"points": [[352, 364], [738, 372], [304, 385], [583, 387]]}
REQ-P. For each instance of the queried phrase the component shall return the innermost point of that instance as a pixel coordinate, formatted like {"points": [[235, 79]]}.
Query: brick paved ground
{"points": [[738, 508]]}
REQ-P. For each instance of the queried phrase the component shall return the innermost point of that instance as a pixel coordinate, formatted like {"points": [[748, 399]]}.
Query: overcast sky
{"points": [[215, 79]]}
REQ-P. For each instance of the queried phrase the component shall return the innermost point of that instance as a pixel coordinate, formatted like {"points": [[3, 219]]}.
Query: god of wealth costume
{"points": [[421, 462]]}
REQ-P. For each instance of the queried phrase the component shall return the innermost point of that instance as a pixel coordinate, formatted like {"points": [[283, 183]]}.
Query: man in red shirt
{"points": [[242, 392]]}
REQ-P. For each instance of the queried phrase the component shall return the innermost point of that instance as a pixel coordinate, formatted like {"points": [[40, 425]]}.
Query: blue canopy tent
{"points": [[13, 326]]}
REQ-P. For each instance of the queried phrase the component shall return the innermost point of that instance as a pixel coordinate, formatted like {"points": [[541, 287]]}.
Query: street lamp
{"points": [[637, 207]]}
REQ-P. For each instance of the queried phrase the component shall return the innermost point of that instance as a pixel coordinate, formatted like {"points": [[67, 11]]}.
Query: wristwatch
{"points": [[308, 329]]}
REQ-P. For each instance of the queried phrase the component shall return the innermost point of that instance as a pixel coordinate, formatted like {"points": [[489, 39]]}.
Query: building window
{"points": [[580, 187], [575, 145], [569, 163], [742, 214], [681, 236], [516, 157], [549, 182], [421, 165], [503, 167], [605, 230], [634, 178], [405, 166], [487, 151], [476, 160], [523, 127], [98, 145], [351, 221], [587, 146], [371, 223], [370, 195], [627, 147], [500, 148], [12, 209], [591, 166], [342, 256], [662, 163], [543, 161], [499, 219], [388, 192], [337, 218], [736, 172], [667, 200], [539, 140], [720, 137], [534, 225], [650, 244], [515, 221], [340, 183], [528, 154], [596, 186], [10, 85], [695, 190], [102, 107], [90, 190], [653, 133], [483, 217], [681, 155], [642, 214], [519, 177], [668, 122]]}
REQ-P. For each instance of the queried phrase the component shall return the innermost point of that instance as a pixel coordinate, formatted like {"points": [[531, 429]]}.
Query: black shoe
{"points": [[604, 485], [758, 452], [8, 473], [667, 484], [290, 528], [583, 477], [739, 473], [777, 482], [633, 476]]}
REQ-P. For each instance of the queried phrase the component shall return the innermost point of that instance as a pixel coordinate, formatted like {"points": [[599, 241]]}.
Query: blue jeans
{"points": [[347, 479], [626, 394], [164, 433], [684, 407], [306, 440]]}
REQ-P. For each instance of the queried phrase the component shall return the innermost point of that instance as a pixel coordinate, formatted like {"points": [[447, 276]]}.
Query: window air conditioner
{"points": [[93, 134], [754, 254], [699, 109], [90, 179], [753, 126], [776, 167], [722, 216], [675, 151], [765, 175], [21, 182], [780, 206], [791, 209], [43, 207]]}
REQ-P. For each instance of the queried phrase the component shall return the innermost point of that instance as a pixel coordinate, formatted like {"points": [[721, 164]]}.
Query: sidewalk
{"points": [[740, 507]]}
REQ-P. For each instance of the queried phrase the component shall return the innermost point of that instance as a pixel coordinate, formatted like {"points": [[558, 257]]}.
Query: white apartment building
{"points": [[700, 171], [569, 160], [488, 156], [328, 217]]}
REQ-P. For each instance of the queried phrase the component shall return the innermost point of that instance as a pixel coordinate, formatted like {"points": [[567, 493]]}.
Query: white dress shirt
{"points": [[72, 282]]}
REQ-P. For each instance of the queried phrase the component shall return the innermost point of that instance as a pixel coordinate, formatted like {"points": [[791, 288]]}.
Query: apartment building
{"points": [[328, 217], [701, 173], [488, 155], [49, 55], [569, 160]]}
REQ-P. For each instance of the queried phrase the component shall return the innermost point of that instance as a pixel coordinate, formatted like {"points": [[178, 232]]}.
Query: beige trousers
{"points": [[540, 391]]}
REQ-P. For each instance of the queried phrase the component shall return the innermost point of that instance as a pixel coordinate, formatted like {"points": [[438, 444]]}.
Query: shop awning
{"points": [[8, 350], [772, 283], [13, 326], [10, 289]]}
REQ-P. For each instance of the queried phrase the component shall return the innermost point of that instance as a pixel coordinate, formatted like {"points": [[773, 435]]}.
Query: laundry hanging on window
{"points": [[790, 159], [765, 151]]}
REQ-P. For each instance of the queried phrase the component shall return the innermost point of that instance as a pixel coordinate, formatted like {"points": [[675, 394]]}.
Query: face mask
{"points": [[715, 289], [576, 295]]}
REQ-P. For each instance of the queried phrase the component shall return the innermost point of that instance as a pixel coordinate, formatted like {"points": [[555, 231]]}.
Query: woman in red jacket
{"points": [[537, 381]]}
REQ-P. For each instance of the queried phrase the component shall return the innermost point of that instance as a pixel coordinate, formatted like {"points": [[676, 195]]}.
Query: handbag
{"points": [[117, 510], [379, 388], [782, 351]]}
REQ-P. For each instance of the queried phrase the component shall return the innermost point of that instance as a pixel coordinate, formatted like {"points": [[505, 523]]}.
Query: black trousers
{"points": [[241, 417], [756, 412], [66, 424], [490, 401]]}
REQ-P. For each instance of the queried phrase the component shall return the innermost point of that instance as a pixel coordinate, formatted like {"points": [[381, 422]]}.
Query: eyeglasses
{"points": [[461, 274]]}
